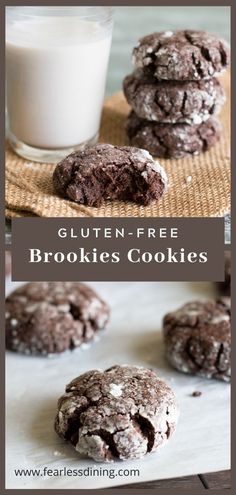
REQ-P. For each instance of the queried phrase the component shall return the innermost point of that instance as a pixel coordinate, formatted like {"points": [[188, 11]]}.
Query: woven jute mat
{"points": [[199, 186]]}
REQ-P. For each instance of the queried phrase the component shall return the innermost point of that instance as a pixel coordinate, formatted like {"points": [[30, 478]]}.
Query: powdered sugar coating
{"points": [[127, 425], [50, 317], [197, 338], [168, 34], [152, 165], [116, 389]]}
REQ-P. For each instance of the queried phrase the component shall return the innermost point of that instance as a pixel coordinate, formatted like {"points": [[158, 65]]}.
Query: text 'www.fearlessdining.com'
{"points": [[47, 472]]}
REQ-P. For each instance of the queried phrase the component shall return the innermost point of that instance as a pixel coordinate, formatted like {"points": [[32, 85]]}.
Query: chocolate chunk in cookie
{"points": [[51, 317], [182, 55], [106, 172], [197, 338], [190, 102], [123, 413], [173, 140]]}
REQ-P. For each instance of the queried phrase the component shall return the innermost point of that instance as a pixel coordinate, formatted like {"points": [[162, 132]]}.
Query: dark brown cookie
{"points": [[190, 102], [106, 172], [51, 317], [182, 55], [197, 338], [172, 140], [225, 287], [123, 413]]}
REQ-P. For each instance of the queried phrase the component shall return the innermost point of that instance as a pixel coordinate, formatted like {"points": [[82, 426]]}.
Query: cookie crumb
{"points": [[196, 393], [57, 453], [188, 179]]}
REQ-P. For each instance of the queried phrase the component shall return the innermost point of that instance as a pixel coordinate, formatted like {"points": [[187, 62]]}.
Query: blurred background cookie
{"points": [[51, 317], [197, 338]]}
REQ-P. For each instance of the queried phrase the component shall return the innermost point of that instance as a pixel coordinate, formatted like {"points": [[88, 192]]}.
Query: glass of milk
{"points": [[56, 65]]}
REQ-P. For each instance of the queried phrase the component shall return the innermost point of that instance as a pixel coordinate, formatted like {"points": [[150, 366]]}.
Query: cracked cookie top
{"points": [[197, 338], [123, 412], [51, 317], [182, 55], [173, 102]]}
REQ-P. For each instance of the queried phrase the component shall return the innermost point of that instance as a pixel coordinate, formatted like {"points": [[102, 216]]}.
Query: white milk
{"points": [[56, 74]]}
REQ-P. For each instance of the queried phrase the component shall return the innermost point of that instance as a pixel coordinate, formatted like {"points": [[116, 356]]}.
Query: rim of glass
{"points": [[83, 12]]}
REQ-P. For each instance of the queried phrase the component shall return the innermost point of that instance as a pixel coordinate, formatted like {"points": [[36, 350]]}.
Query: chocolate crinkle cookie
{"points": [[225, 287], [173, 102], [106, 172], [50, 317], [123, 413], [198, 340], [173, 140], [182, 55]]}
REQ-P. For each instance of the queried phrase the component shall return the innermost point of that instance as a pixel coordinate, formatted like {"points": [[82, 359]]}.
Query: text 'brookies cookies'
{"points": [[134, 255]]}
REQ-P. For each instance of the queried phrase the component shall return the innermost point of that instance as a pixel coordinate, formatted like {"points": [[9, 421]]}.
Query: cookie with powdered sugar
{"points": [[186, 55], [197, 338], [173, 140], [105, 172], [190, 102], [46, 318], [121, 413]]}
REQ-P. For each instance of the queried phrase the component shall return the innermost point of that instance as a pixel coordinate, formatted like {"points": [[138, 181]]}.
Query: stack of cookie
{"points": [[174, 93]]}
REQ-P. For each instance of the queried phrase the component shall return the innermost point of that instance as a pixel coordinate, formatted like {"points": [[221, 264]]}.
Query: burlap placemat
{"points": [[198, 186]]}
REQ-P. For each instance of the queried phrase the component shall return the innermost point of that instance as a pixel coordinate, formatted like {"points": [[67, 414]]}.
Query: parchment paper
{"points": [[202, 440]]}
